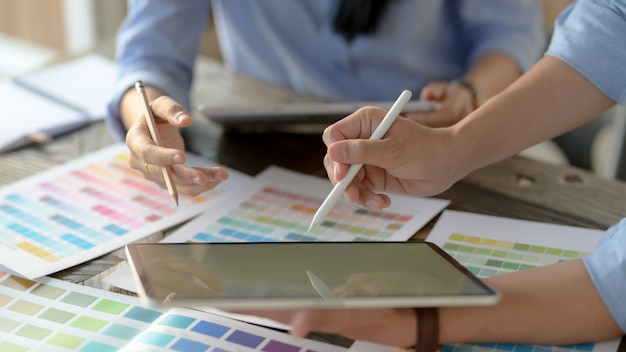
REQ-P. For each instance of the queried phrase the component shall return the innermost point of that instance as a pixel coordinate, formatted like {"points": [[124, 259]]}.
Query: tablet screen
{"points": [[314, 274]]}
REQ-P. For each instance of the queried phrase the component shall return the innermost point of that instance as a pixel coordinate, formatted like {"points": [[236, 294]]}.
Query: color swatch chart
{"points": [[280, 204], [490, 246], [486, 257], [53, 315], [85, 208]]}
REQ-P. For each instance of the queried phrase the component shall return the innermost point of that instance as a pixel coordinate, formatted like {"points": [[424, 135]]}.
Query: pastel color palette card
{"points": [[53, 315], [489, 245], [279, 205], [86, 208]]}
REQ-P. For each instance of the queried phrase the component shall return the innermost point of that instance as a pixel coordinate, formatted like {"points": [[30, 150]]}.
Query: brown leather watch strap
{"points": [[427, 329]]}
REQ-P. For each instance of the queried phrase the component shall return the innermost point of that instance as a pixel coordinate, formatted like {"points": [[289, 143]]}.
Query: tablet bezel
{"points": [[489, 295], [296, 113]]}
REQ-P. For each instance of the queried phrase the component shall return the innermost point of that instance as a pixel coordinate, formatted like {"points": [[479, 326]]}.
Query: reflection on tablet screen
{"points": [[305, 274]]}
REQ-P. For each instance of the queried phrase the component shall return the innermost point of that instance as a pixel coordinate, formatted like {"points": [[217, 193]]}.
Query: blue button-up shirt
{"points": [[291, 43], [590, 37]]}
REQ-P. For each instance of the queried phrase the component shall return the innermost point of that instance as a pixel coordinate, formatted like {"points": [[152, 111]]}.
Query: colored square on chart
{"points": [[7, 324], [156, 338], [25, 307], [4, 299], [210, 329], [95, 346], [111, 307], [33, 332], [89, 323], [47, 291], [65, 340], [12, 347], [142, 314], [121, 332], [245, 338], [79, 299], [177, 321], [18, 283], [186, 345], [279, 346], [56, 315]]}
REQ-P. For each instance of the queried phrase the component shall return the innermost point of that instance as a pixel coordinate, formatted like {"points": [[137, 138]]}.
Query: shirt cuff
{"points": [[606, 266]]}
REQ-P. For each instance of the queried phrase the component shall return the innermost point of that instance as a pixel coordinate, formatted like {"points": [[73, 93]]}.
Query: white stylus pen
{"points": [[340, 187]]}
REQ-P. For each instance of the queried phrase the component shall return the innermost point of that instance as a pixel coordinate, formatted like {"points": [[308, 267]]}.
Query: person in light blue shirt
{"points": [[345, 50], [582, 74]]}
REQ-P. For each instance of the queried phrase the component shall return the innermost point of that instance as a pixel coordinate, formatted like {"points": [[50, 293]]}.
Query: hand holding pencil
{"points": [[154, 133], [409, 159], [156, 145]]}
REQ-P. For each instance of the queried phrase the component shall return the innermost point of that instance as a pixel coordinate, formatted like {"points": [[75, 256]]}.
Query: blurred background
{"points": [[37, 33]]}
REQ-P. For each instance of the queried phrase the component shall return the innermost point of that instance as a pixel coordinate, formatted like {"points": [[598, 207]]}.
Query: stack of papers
{"points": [[44, 104]]}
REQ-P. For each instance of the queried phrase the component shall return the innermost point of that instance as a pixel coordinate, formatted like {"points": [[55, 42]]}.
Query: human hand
{"points": [[410, 159], [147, 157], [453, 103]]}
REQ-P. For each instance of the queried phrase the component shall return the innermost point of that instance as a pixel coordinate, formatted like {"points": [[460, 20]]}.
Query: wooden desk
{"points": [[517, 187]]}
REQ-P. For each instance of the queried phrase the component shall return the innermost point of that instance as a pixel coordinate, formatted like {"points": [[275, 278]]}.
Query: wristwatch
{"points": [[477, 96]]}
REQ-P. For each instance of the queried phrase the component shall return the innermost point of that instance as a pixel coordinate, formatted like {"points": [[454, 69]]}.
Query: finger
{"points": [[361, 151], [143, 150], [301, 324], [434, 91], [190, 181], [168, 109], [360, 124]]}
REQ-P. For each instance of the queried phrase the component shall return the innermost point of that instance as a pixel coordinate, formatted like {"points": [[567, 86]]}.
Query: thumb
{"points": [[168, 109], [300, 324]]}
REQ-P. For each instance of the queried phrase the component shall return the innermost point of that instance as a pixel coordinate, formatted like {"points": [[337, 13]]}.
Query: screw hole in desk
{"points": [[572, 179], [525, 180]]}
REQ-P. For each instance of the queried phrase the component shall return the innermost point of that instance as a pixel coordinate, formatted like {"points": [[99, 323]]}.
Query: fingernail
{"points": [[181, 116], [178, 159], [219, 176], [373, 204]]}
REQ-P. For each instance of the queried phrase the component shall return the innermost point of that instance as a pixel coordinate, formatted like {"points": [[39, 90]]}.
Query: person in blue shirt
{"points": [[345, 50], [577, 301]]}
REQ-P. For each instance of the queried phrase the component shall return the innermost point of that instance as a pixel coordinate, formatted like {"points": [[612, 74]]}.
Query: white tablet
{"points": [[303, 275], [296, 113]]}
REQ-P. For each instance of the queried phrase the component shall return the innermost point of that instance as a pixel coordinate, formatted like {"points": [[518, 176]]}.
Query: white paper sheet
{"points": [[58, 99]]}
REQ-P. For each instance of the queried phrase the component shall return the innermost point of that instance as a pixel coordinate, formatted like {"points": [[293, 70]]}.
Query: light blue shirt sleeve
{"points": [[607, 268], [157, 44], [589, 36], [512, 28]]}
